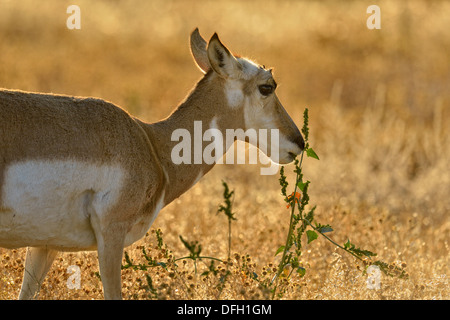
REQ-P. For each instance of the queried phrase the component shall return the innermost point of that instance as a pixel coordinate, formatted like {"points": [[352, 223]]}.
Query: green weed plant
{"points": [[274, 279]]}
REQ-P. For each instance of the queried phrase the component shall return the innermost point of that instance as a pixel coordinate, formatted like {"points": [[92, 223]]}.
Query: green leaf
{"points": [[312, 235], [324, 228], [280, 249], [358, 251], [362, 252], [301, 271], [311, 153], [348, 244], [162, 264], [301, 185]]}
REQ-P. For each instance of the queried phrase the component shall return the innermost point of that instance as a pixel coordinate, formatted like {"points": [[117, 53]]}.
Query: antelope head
{"points": [[250, 88]]}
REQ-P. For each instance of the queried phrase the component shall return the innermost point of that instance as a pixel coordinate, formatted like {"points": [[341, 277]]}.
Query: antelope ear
{"points": [[221, 59], [198, 50]]}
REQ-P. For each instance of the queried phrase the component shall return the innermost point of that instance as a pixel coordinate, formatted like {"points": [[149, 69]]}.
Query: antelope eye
{"points": [[265, 89]]}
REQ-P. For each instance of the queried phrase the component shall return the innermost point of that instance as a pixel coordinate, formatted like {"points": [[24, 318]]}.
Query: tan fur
{"points": [[36, 126]]}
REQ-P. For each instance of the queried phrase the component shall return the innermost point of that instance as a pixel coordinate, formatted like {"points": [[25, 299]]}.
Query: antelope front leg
{"points": [[110, 243], [110, 252], [37, 263]]}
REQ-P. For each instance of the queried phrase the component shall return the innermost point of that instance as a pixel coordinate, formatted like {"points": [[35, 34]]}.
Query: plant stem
{"points": [[291, 230], [332, 241], [229, 240], [201, 257]]}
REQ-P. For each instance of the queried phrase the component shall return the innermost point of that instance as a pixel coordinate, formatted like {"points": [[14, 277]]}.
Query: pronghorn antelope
{"points": [[83, 174]]}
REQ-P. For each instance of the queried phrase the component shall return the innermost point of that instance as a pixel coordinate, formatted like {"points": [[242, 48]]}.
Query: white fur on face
{"points": [[259, 110], [234, 93], [234, 85], [257, 116]]}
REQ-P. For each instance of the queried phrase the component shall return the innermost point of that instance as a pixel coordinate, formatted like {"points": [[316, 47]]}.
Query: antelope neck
{"points": [[206, 103]]}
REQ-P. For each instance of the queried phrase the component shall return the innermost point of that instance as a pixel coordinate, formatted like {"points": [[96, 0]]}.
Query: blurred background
{"points": [[379, 104]]}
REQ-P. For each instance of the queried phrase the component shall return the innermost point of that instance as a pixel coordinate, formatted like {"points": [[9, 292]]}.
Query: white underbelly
{"points": [[44, 203]]}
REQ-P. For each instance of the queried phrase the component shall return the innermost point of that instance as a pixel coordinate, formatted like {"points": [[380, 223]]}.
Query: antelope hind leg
{"points": [[37, 263]]}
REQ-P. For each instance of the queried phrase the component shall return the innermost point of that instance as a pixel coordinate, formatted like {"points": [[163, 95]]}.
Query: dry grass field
{"points": [[379, 109]]}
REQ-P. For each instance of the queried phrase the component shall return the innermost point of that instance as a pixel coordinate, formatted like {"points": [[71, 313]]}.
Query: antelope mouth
{"points": [[292, 156], [288, 158]]}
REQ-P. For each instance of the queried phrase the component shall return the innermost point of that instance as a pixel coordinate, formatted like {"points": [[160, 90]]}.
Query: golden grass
{"points": [[379, 119]]}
